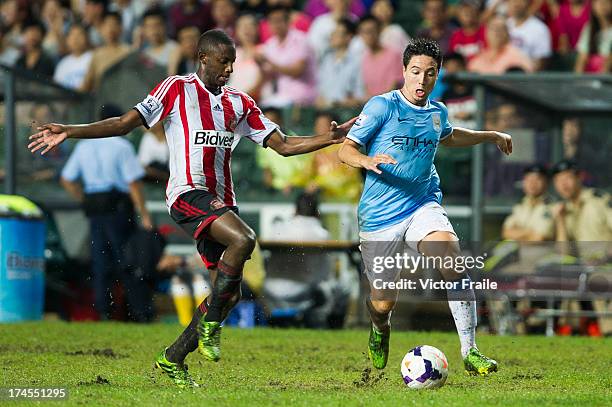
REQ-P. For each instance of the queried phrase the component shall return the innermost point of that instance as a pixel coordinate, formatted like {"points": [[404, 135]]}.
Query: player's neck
{"points": [[214, 89]]}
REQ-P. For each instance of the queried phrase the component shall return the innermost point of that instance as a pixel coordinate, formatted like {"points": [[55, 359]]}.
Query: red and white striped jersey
{"points": [[202, 130]]}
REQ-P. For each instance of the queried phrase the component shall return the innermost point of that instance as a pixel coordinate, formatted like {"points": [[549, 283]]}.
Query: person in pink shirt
{"points": [[469, 39], [297, 19], [288, 64], [251, 78], [315, 8], [499, 55], [380, 67], [573, 16], [392, 35]]}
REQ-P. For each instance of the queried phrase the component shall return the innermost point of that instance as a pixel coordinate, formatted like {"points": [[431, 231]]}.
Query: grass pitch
{"points": [[111, 364]]}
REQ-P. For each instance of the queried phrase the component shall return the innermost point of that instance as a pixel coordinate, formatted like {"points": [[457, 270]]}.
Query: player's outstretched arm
{"points": [[51, 135], [349, 154], [461, 137], [287, 146]]}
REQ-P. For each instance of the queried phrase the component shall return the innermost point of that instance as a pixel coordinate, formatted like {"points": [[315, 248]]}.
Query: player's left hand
{"points": [[48, 137], [338, 132], [504, 142]]}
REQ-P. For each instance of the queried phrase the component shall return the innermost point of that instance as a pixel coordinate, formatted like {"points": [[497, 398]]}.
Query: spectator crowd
{"points": [[311, 52]]}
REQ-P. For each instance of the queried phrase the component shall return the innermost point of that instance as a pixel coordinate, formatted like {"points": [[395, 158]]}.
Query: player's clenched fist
{"points": [[371, 163], [504, 142]]}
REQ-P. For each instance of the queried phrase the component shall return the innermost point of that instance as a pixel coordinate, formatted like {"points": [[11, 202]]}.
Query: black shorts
{"points": [[194, 211]]}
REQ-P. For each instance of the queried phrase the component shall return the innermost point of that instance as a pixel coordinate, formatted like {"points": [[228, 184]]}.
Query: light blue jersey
{"points": [[390, 124]]}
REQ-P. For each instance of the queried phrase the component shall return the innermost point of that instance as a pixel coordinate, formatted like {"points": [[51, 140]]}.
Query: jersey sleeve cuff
{"points": [[449, 133], [264, 142], [355, 139], [142, 118]]}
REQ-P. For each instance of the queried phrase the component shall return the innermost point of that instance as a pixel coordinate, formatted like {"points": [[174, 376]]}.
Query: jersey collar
{"points": [[206, 89], [412, 105]]}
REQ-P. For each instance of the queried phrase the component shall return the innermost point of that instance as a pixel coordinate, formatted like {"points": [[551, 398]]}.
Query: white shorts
{"points": [[429, 218]]}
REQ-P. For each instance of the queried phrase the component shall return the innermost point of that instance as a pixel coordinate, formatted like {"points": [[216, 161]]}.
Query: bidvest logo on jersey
{"points": [[212, 138]]}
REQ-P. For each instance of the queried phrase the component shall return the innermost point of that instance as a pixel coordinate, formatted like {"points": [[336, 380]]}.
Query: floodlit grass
{"points": [[111, 364]]}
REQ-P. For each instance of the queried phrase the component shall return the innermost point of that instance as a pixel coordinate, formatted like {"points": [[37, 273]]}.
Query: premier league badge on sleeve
{"points": [[436, 121], [361, 119], [151, 105]]}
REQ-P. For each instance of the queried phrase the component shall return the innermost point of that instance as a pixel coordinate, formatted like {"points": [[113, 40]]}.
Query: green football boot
{"points": [[476, 363], [209, 340], [378, 347], [175, 371]]}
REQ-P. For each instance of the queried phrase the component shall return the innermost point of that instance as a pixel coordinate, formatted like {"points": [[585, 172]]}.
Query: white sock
{"points": [[462, 304]]}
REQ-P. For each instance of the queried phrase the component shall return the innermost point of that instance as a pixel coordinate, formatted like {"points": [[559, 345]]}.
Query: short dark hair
{"points": [[537, 168], [307, 204], [370, 17], [348, 25], [34, 24], [212, 39], [154, 12], [326, 113], [278, 7], [104, 3], [422, 46], [115, 15], [187, 27], [455, 56], [272, 109], [565, 165]]}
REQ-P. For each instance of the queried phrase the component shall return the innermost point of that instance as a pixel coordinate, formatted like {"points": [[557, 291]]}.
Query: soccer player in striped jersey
{"points": [[401, 202], [203, 120]]}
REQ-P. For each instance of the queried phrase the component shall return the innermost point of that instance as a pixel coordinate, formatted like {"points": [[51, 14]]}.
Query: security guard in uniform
{"points": [[531, 219], [584, 216]]}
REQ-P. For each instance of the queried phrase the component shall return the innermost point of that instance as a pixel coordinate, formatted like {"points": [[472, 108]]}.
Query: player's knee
{"points": [[440, 244], [244, 243], [383, 307]]}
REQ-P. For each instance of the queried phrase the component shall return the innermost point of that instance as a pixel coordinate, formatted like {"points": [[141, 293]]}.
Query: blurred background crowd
{"points": [[321, 52]]}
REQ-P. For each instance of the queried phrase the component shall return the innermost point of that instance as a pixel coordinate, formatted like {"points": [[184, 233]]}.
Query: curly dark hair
{"points": [[423, 46]]}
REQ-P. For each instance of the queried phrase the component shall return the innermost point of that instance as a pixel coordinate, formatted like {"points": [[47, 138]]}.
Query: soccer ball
{"points": [[424, 367]]}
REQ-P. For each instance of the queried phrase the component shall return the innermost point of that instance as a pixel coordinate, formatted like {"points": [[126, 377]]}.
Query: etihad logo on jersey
{"points": [[212, 138], [405, 143]]}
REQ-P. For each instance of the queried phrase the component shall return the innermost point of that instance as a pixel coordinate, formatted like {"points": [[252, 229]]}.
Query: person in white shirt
{"points": [[71, 70], [322, 27], [154, 155], [306, 225], [528, 33], [158, 46], [340, 81]]}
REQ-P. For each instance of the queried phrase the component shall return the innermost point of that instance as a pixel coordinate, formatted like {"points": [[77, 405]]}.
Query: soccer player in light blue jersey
{"points": [[399, 132]]}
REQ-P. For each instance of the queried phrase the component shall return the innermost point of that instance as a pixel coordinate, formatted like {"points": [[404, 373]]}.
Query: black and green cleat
{"points": [[209, 340], [177, 372], [476, 363], [378, 347]]}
